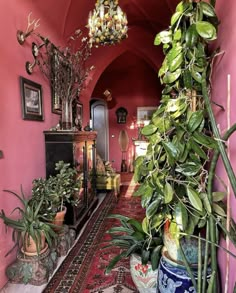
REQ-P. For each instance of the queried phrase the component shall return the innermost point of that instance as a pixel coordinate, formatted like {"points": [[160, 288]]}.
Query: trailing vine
{"points": [[174, 176]]}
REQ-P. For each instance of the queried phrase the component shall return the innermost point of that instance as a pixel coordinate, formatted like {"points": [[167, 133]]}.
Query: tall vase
{"points": [[66, 114]]}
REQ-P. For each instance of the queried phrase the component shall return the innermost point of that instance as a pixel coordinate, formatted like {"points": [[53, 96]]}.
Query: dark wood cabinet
{"points": [[79, 149]]}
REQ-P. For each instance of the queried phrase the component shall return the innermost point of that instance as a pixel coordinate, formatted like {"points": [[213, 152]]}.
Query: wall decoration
{"points": [[144, 114], [121, 114], [32, 104], [78, 115]]}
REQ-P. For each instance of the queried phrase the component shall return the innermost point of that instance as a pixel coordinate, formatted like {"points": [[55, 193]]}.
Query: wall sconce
{"points": [[107, 95], [121, 114], [22, 36]]}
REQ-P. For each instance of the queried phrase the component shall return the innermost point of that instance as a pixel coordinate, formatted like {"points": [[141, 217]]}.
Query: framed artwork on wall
{"points": [[31, 100], [78, 115], [144, 114]]}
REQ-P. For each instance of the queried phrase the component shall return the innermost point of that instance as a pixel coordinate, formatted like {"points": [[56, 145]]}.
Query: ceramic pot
{"points": [[29, 245], [144, 278], [188, 244], [173, 277], [59, 219]]}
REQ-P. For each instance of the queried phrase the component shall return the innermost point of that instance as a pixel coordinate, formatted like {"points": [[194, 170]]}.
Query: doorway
{"points": [[99, 116]]}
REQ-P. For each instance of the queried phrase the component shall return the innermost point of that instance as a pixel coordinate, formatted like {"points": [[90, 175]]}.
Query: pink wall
{"points": [[22, 141], [226, 65], [133, 84]]}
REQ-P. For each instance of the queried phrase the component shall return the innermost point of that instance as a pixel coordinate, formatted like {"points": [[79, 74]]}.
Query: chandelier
{"points": [[107, 23]]}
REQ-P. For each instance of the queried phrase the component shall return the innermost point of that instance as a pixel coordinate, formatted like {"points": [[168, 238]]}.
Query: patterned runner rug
{"points": [[83, 269]]}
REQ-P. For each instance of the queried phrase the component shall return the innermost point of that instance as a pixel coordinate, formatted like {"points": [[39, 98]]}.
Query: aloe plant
{"points": [[30, 223]]}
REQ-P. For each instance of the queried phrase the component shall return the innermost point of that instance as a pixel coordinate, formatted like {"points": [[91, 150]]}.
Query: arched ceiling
{"points": [[145, 19]]}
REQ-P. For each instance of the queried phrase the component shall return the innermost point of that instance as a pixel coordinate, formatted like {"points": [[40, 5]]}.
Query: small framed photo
{"points": [[144, 114], [78, 118], [32, 103]]}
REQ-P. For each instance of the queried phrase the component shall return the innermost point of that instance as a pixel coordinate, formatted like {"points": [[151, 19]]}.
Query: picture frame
{"points": [[31, 100], [78, 115], [144, 114]]}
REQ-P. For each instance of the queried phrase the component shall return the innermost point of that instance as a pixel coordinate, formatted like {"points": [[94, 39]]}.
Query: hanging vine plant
{"points": [[175, 181]]}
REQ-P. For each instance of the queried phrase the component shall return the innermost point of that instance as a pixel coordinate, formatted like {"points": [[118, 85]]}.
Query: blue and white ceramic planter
{"points": [[174, 278]]}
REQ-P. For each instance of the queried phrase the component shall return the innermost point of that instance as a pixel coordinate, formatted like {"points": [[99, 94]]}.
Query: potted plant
{"points": [[30, 230], [176, 174], [142, 245], [57, 191]]}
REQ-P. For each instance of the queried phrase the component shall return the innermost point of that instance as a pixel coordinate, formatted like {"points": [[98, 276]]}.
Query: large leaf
{"points": [[175, 17], [218, 210], [191, 36], [181, 216], [155, 257], [194, 198], [168, 193], [195, 120], [218, 196], [205, 140], [189, 168], [206, 202], [152, 208], [197, 149], [206, 30], [207, 9], [149, 129], [170, 77]]}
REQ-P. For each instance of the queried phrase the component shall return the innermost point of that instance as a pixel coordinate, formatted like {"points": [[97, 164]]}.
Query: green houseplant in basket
{"points": [[31, 229], [177, 172]]}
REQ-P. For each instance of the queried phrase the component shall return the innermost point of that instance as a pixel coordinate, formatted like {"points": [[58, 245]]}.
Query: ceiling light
{"points": [[107, 23]]}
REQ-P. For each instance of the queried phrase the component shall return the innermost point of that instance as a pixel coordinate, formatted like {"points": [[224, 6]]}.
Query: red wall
{"points": [[133, 84], [21, 141]]}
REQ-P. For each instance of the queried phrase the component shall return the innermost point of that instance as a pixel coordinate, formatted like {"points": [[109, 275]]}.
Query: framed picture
{"points": [[78, 115], [144, 114], [31, 97]]}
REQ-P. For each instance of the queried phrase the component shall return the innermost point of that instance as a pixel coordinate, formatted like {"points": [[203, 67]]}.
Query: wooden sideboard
{"points": [[79, 149]]}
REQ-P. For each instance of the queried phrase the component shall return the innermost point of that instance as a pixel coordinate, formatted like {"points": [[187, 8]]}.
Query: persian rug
{"points": [[83, 270]]}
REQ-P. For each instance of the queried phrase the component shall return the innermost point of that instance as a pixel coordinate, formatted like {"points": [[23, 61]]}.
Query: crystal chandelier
{"points": [[107, 23]]}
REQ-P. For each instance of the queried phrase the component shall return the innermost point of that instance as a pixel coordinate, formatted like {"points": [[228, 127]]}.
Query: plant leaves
{"points": [[218, 210], [155, 256], [207, 9], [149, 129], [195, 120], [218, 196], [152, 208], [206, 30], [194, 198], [168, 193], [181, 216], [189, 168], [191, 36], [170, 77]]}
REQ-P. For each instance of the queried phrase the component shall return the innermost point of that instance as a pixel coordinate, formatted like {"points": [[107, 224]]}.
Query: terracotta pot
{"points": [[29, 245], [59, 219], [144, 278]]}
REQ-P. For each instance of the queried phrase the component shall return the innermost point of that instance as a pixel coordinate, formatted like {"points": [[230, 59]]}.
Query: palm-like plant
{"points": [[133, 236]]}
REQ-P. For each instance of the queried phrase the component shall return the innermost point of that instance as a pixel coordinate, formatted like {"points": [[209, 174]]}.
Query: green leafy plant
{"points": [[30, 224], [177, 172], [57, 190], [133, 236]]}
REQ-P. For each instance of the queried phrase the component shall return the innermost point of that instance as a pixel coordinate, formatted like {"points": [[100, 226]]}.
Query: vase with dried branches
{"points": [[64, 67]]}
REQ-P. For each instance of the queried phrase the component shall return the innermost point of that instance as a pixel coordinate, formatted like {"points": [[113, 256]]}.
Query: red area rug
{"points": [[83, 269]]}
